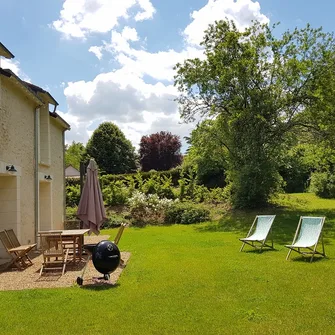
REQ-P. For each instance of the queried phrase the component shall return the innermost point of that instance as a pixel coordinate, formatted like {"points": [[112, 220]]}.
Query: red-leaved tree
{"points": [[160, 151]]}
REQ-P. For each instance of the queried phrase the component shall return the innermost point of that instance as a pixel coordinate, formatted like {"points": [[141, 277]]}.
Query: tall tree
{"points": [[74, 154], [160, 151], [206, 154], [113, 153], [257, 88]]}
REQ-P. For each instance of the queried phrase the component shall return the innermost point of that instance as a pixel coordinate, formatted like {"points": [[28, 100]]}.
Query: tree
{"points": [[206, 155], [160, 151], [74, 154], [113, 153], [257, 88]]}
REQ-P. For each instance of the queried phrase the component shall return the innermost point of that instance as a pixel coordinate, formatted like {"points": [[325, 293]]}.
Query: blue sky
{"points": [[109, 60]]}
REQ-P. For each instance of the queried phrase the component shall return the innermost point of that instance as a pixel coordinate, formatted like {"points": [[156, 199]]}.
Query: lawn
{"points": [[193, 280]]}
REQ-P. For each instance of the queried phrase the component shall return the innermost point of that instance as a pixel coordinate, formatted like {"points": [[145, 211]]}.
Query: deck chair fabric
{"points": [[17, 253], [16, 243], [259, 232], [54, 254], [307, 236]]}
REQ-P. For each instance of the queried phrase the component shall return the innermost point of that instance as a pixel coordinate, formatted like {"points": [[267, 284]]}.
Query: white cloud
{"points": [[242, 12], [78, 132], [120, 96], [125, 96], [14, 66], [78, 18], [97, 51], [148, 10]]}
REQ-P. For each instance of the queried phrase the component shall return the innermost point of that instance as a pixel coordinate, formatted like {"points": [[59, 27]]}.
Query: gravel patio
{"points": [[29, 278]]}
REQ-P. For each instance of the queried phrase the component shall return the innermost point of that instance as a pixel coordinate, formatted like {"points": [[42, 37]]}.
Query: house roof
{"points": [[60, 119], [21, 84], [5, 52], [71, 172], [38, 89], [32, 90]]}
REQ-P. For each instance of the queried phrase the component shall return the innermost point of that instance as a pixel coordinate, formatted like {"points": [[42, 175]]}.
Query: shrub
{"points": [[112, 222], [116, 193], [141, 176], [323, 184], [186, 214], [72, 195], [160, 185], [71, 213], [217, 195], [146, 209]]}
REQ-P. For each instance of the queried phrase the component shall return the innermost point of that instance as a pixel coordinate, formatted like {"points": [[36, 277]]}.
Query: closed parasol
{"points": [[91, 210]]}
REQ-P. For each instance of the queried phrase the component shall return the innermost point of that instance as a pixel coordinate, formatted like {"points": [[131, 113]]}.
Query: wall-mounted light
{"points": [[10, 168], [48, 177]]}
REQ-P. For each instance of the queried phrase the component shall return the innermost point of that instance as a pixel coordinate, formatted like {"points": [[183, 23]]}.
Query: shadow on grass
{"points": [[254, 251], [305, 259], [284, 226], [99, 286]]}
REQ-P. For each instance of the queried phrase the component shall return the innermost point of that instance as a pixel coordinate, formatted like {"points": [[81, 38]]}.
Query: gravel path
{"points": [[29, 278]]}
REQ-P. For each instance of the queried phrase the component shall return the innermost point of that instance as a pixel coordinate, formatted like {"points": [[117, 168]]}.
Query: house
{"points": [[32, 192], [71, 172]]}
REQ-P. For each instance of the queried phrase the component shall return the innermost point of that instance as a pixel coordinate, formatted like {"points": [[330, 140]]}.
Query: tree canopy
{"points": [[74, 154], [206, 154], [257, 88], [160, 151], [113, 153]]}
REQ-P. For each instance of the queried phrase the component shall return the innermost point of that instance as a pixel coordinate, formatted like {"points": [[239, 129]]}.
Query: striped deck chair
{"points": [[259, 232], [307, 236]]}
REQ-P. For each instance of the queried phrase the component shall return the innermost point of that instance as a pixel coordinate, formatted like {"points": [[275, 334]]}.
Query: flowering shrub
{"points": [[148, 208]]}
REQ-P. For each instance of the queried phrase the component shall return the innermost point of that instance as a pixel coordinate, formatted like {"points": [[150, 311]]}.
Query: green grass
{"points": [[194, 280]]}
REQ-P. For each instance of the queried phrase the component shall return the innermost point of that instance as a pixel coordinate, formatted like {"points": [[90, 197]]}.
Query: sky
{"points": [[112, 60]]}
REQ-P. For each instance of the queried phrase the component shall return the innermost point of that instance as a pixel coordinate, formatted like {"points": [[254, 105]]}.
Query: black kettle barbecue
{"points": [[105, 256]]}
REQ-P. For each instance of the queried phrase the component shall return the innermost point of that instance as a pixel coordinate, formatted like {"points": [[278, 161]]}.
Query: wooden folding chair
{"points": [[119, 233], [17, 253], [307, 236], [16, 243], [54, 254], [259, 232], [118, 237]]}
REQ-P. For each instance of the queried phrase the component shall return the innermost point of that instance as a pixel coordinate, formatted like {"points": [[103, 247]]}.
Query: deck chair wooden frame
{"points": [[257, 238], [16, 243], [118, 237], [119, 233], [308, 247], [17, 253], [54, 254]]}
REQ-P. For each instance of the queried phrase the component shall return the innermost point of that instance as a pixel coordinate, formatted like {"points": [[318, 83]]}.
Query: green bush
{"points": [[186, 214], [142, 176], [217, 195], [296, 166], [323, 184], [116, 193], [71, 213], [160, 185], [72, 195], [112, 222]]}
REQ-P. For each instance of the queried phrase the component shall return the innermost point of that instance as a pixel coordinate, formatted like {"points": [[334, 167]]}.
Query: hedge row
{"points": [[106, 179]]}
